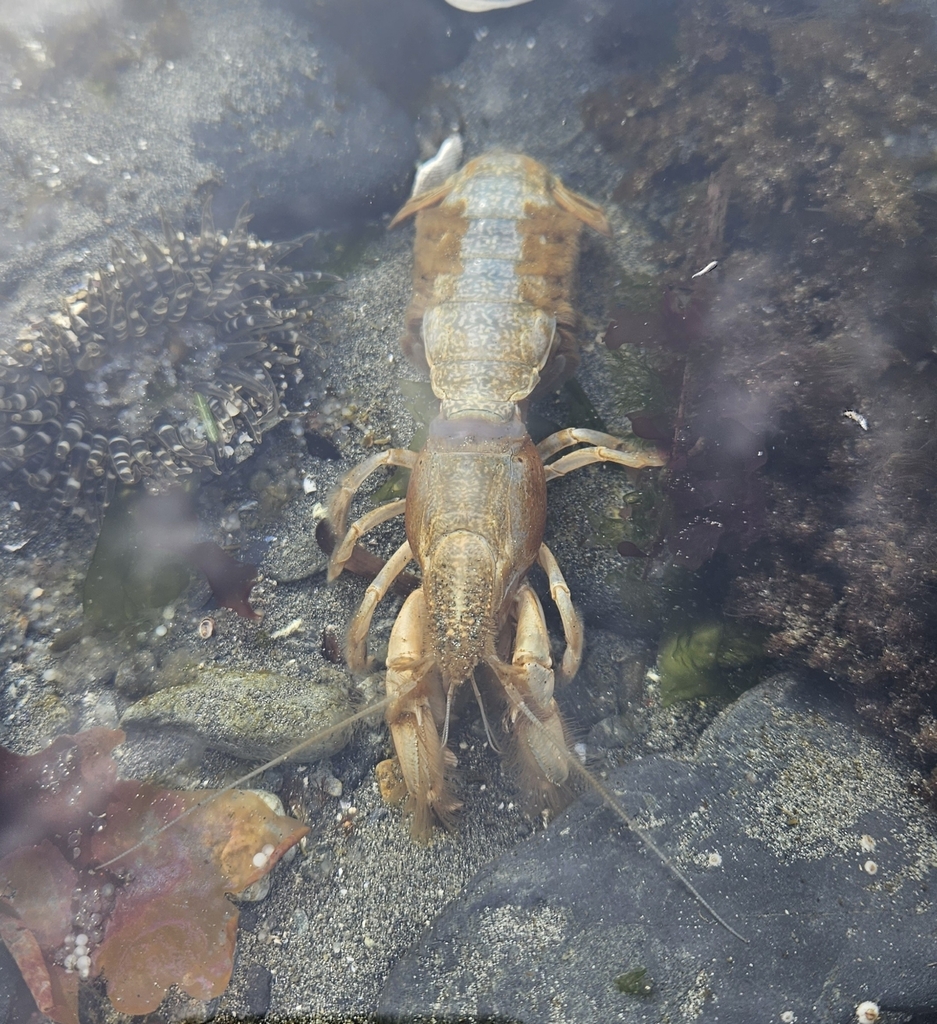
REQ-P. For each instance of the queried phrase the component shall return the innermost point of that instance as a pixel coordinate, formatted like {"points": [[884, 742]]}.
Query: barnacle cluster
{"points": [[170, 357]]}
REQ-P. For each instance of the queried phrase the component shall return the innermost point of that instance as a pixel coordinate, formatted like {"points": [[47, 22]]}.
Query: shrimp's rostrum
{"points": [[491, 319]]}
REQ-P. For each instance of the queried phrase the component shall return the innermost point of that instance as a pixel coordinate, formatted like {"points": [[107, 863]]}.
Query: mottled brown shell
{"points": [[495, 262]]}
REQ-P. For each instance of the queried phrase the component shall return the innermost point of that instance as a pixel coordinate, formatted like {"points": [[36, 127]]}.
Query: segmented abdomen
{"points": [[495, 260]]}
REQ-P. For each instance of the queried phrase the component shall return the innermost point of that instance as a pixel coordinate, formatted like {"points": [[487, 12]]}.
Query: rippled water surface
{"points": [[757, 695]]}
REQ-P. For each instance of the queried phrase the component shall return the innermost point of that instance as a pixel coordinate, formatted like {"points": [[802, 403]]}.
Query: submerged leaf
{"points": [[231, 581], [173, 923], [168, 919], [138, 563], [56, 790], [40, 882]]}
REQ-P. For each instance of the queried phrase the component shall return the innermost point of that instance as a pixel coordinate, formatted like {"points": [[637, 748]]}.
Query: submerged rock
{"points": [[251, 714], [113, 111], [792, 823]]}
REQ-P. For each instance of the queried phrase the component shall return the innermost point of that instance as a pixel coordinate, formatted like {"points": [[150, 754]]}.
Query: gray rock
{"points": [[322, 148], [113, 113], [791, 821], [251, 713], [8, 981]]}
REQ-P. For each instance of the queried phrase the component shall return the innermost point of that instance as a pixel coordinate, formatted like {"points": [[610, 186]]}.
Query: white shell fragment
{"points": [[480, 6], [867, 1012], [437, 169]]}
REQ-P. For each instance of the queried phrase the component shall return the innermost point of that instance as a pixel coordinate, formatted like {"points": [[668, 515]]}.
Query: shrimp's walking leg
{"points": [[417, 706], [351, 482], [572, 625], [604, 448], [360, 527], [357, 649]]}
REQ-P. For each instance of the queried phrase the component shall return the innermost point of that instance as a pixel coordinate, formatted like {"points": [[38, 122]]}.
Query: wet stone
{"points": [[251, 714], [257, 989], [314, 148], [772, 820]]}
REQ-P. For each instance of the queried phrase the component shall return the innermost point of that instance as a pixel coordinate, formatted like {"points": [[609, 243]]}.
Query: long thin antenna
{"points": [[481, 707], [614, 806], [380, 705], [322, 734]]}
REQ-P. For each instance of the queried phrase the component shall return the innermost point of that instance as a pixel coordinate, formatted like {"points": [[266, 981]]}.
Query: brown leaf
{"points": [[56, 790], [39, 883], [231, 581], [173, 923]]}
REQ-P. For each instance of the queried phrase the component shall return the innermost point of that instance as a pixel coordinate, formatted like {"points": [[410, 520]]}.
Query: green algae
{"points": [[638, 385], [709, 658], [423, 405], [635, 982]]}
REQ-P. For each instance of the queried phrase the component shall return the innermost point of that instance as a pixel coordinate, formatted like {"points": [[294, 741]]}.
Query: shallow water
{"points": [[764, 310]]}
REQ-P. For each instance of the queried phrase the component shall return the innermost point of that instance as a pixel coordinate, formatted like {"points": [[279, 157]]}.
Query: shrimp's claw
{"points": [[533, 714], [416, 711]]}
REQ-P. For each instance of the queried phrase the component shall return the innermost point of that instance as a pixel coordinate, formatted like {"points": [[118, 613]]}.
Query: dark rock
{"points": [[257, 984], [9, 976], [779, 820], [323, 147], [128, 111], [406, 43]]}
